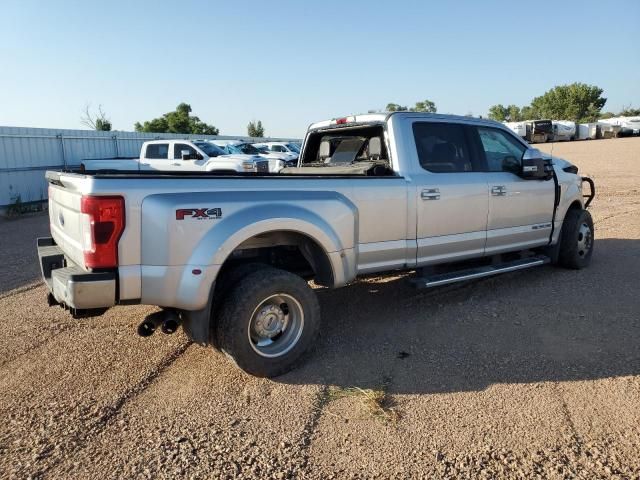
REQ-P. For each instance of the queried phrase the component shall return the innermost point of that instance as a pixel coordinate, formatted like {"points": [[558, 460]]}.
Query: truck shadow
{"points": [[544, 324]]}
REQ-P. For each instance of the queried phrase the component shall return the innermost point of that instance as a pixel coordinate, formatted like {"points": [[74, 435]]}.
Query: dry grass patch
{"points": [[375, 402]]}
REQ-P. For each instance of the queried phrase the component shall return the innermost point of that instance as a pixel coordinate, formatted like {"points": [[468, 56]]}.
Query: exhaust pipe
{"points": [[150, 323], [171, 322], [167, 319]]}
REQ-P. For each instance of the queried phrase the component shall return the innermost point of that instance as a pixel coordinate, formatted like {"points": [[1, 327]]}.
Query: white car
{"points": [[291, 148], [277, 161]]}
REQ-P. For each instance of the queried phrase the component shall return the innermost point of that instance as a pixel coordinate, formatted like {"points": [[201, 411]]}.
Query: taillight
{"points": [[102, 226]]}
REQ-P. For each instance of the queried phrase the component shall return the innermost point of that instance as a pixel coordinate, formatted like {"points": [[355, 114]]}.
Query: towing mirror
{"points": [[185, 154], [534, 167]]}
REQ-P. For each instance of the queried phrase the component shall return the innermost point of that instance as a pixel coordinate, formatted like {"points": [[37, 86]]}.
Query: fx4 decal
{"points": [[199, 213]]}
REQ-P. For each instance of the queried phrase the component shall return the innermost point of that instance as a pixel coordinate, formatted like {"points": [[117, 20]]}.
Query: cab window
{"points": [[442, 147], [158, 151], [179, 147], [502, 152]]}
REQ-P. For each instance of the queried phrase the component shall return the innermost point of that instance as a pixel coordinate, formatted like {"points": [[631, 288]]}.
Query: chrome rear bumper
{"points": [[70, 285]]}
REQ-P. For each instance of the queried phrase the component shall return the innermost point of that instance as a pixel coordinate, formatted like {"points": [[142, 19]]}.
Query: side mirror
{"points": [[534, 167], [185, 154]]}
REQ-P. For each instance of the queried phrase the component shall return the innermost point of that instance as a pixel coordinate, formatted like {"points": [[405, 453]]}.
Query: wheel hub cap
{"points": [[585, 239], [270, 321], [276, 325]]}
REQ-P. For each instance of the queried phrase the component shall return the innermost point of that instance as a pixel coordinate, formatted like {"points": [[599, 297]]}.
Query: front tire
{"points": [[268, 321], [577, 238]]}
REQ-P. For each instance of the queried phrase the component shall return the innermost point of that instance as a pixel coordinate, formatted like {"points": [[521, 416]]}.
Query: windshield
{"points": [[247, 149], [293, 147], [262, 149], [209, 148]]}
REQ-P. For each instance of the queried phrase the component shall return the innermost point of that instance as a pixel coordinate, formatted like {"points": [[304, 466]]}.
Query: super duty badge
{"points": [[199, 213]]}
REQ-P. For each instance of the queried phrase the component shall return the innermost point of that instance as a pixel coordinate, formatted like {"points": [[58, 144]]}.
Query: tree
{"points": [[426, 106], [511, 113], [178, 121], [498, 112], [394, 107], [629, 111], [97, 121], [255, 129], [578, 102]]}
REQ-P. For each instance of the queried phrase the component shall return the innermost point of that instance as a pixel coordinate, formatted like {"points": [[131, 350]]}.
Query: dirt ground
{"points": [[530, 374]]}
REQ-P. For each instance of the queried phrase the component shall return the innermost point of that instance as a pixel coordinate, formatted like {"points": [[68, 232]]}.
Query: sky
{"points": [[291, 63]]}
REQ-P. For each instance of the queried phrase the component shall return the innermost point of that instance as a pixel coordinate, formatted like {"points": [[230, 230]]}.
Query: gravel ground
{"points": [[535, 373]]}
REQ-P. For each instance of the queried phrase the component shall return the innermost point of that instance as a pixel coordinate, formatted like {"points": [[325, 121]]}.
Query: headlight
{"points": [[248, 166]]}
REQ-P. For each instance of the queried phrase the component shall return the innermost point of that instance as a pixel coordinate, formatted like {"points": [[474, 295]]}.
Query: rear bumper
{"points": [[70, 285]]}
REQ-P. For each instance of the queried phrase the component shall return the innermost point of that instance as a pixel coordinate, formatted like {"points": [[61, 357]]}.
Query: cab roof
{"points": [[384, 116]]}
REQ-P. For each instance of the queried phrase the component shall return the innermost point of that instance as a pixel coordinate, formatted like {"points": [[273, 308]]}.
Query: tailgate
{"points": [[65, 218]]}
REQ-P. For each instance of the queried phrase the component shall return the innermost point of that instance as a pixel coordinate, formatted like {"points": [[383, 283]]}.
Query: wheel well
{"points": [[576, 205], [291, 251]]}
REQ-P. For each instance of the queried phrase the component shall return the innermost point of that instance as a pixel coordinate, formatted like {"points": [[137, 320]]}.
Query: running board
{"points": [[479, 272]]}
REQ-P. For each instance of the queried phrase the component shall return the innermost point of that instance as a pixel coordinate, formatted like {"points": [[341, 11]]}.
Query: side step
{"points": [[479, 272]]}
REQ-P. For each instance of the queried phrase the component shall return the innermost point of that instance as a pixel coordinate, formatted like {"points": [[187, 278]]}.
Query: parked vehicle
{"points": [[519, 128], [277, 161], [607, 129], [281, 147], [539, 131], [587, 131], [563, 130], [228, 257], [623, 126], [180, 156]]}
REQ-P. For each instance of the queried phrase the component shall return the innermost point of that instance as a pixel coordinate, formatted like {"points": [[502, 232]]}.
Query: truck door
{"points": [[520, 210], [193, 163], [155, 157], [451, 195]]}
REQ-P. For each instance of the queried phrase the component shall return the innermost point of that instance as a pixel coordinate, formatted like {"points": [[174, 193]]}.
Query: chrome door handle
{"points": [[499, 191], [430, 194]]}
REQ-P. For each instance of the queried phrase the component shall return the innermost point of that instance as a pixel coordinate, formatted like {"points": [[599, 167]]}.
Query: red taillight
{"points": [[341, 121], [102, 225]]}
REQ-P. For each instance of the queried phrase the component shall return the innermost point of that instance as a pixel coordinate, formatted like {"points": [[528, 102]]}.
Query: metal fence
{"points": [[26, 153]]}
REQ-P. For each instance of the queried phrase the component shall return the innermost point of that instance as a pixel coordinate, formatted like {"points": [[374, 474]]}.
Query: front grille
{"points": [[262, 167]]}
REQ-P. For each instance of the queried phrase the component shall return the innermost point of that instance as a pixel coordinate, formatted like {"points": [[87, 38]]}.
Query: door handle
{"points": [[176, 164], [499, 191], [430, 194], [142, 163]]}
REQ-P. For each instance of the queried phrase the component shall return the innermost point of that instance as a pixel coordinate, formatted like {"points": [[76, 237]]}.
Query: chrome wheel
{"points": [[585, 240], [276, 325]]}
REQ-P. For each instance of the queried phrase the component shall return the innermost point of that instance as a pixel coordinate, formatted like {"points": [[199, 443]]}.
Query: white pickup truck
{"points": [[229, 257], [180, 155]]}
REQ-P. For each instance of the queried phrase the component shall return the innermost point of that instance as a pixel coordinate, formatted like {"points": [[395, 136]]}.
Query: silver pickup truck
{"points": [[229, 257]]}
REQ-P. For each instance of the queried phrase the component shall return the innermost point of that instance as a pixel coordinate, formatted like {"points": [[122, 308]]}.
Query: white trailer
{"points": [[519, 128], [563, 130], [587, 131]]}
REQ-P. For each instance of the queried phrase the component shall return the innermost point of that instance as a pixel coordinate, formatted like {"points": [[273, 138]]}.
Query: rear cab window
{"points": [[159, 151], [443, 147]]}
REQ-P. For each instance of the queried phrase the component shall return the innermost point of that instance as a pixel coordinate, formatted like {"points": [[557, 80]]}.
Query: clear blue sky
{"points": [[291, 63]]}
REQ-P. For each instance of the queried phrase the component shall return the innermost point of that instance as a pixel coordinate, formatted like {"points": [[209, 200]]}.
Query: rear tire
{"points": [[577, 239], [268, 320]]}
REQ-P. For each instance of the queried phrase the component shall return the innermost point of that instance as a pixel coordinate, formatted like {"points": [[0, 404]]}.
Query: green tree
{"points": [[426, 106], [578, 102], [255, 129], [394, 107], [178, 121], [511, 113], [629, 111], [498, 112], [95, 121]]}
